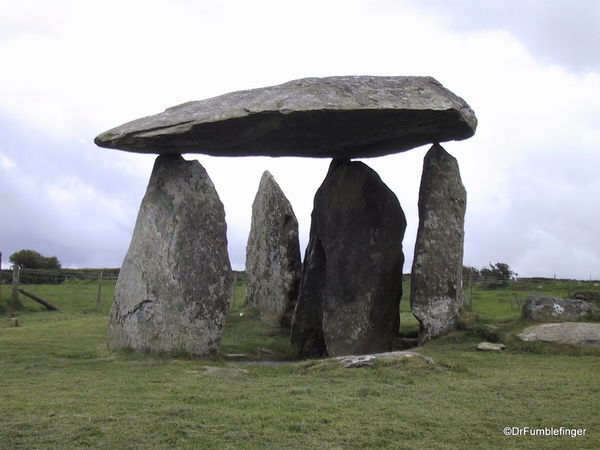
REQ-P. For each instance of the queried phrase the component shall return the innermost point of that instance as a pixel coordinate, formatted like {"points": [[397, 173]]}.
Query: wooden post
{"points": [[16, 302], [38, 299], [99, 297], [471, 288], [234, 290]]}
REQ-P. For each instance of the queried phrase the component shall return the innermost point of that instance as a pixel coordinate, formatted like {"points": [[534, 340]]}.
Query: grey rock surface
{"points": [[335, 117], [490, 347], [352, 274], [588, 296], [436, 276], [273, 264], [173, 289], [545, 309], [574, 333], [352, 361]]}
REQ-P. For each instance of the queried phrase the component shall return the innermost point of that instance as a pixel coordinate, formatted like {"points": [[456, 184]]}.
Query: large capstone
{"points": [[273, 264], [173, 290], [352, 274], [335, 117], [436, 276]]}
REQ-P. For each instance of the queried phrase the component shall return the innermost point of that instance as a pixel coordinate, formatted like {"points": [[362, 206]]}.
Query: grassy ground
{"points": [[60, 388]]}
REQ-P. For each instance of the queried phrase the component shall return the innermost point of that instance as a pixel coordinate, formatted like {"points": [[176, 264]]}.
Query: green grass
{"points": [[72, 295], [60, 388]]}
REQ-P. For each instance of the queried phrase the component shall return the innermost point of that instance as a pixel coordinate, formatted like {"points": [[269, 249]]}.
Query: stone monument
{"points": [[348, 299]]}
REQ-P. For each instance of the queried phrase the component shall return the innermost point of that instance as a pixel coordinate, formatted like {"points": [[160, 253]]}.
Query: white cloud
{"points": [[73, 69]]}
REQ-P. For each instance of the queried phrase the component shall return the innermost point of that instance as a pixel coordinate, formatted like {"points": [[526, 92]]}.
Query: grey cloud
{"points": [[562, 32], [544, 220], [64, 198]]}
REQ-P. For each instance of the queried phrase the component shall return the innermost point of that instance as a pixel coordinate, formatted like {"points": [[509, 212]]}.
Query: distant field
{"points": [[60, 387]]}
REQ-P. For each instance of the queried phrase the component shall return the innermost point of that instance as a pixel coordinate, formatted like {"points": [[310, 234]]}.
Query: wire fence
{"points": [[41, 276], [41, 280]]}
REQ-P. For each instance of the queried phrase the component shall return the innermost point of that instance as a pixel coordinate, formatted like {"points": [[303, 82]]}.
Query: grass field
{"points": [[61, 389]]}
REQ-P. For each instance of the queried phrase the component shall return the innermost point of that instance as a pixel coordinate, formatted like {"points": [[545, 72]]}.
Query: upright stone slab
{"points": [[352, 276], [273, 264], [436, 276], [173, 290]]}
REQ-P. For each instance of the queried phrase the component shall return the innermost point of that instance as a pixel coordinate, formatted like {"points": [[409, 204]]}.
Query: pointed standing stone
{"points": [[173, 290], [273, 263], [436, 276], [352, 276]]}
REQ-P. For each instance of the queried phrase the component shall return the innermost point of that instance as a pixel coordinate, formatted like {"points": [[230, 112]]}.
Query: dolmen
{"points": [[172, 293]]}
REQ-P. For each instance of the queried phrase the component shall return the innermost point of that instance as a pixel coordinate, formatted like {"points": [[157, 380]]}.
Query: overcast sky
{"points": [[530, 69]]}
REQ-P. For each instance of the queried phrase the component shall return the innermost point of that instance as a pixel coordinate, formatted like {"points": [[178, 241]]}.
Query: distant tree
{"points": [[500, 271], [29, 259], [468, 270], [52, 262]]}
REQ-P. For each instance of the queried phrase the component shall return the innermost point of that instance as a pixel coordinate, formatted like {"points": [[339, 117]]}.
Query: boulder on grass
{"points": [[543, 309], [574, 333]]}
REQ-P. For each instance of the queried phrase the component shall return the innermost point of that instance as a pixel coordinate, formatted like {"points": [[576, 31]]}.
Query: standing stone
{"points": [[273, 263], [173, 290], [352, 276], [436, 277]]}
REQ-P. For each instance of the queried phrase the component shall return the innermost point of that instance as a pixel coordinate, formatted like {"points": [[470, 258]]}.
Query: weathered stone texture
{"points": [[585, 334], [273, 263], [337, 117], [173, 290], [436, 276], [490, 347], [352, 276], [544, 309]]}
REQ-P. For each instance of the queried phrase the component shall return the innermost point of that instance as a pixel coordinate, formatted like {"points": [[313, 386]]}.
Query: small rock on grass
{"points": [[218, 372], [264, 351], [366, 360], [490, 347]]}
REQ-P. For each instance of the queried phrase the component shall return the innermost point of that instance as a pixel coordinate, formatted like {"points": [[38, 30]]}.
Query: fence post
{"points": [[471, 288], [99, 298], [16, 302], [234, 290]]}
